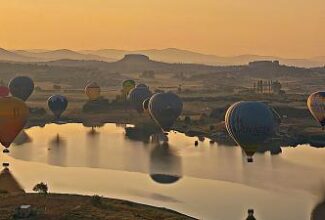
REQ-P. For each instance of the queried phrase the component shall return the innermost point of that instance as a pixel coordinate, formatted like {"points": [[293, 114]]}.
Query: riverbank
{"points": [[64, 206]]}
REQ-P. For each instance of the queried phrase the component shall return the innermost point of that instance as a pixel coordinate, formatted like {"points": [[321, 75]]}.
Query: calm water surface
{"points": [[215, 182]]}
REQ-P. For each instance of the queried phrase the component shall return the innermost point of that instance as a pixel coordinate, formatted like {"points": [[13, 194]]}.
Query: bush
{"points": [[96, 200], [41, 188], [187, 120]]}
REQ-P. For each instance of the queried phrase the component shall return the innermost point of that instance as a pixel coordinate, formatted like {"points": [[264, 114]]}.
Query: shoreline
{"points": [[289, 135]]}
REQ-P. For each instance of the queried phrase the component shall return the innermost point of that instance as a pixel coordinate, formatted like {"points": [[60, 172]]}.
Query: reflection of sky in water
{"points": [[216, 181]]}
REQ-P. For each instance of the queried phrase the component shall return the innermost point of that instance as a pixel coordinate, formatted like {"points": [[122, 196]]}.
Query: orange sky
{"points": [[289, 28]]}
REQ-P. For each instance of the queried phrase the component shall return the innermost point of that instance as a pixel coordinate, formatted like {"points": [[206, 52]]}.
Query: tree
{"points": [[56, 87], [187, 120], [41, 188]]}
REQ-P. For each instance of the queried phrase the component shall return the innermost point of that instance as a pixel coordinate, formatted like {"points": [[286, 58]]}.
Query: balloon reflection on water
{"points": [[165, 165], [8, 183], [22, 138], [57, 151]]}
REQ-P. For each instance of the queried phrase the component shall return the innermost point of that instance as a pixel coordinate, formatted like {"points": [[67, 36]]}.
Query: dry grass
{"points": [[70, 207]]}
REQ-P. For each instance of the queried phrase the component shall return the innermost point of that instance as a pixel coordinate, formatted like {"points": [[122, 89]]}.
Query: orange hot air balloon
{"points": [[92, 90], [13, 117]]}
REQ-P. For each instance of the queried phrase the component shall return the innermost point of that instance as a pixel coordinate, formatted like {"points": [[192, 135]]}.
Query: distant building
{"points": [[268, 87]]}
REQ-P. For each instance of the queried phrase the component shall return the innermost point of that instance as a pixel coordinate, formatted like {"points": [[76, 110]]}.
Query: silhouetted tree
{"points": [[41, 188]]}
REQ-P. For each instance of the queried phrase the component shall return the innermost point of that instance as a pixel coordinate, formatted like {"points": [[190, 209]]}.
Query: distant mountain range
{"points": [[169, 55]]}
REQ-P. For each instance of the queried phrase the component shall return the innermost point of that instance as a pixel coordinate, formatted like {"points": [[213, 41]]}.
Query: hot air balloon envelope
{"points": [[21, 87], [127, 85], [250, 124], [145, 105], [4, 91], [137, 96], [165, 108], [13, 117], [141, 85], [57, 104], [92, 90], [316, 106]]}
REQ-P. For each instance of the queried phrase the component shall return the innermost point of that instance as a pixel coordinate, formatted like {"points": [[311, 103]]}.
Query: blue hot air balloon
{"points": [[165, 108], [137, 96], [57, 104], [21, 87], [250, 124]]}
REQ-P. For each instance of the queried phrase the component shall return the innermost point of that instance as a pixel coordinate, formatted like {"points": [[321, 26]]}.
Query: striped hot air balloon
{"points": [[316, 106], [13, 117], [92, 90]]}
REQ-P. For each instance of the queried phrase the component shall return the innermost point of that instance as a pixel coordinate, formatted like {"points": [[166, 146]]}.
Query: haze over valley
{"points": [[168, 55]]}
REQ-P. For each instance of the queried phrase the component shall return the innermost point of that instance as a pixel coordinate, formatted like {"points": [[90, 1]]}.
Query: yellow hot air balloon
{"points": [[13, 117], [316, 106], [127, 86], [92, 90]]}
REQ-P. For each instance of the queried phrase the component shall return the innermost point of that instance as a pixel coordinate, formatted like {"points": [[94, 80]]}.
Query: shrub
{"points": [[96, 200], [41, 188]]}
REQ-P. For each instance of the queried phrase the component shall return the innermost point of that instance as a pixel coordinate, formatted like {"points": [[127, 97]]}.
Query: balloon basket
{"points": [[5, 151], [5, 165], [250, 159]]}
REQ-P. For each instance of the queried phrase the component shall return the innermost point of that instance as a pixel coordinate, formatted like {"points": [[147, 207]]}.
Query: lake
{"points": [[208, 181]]}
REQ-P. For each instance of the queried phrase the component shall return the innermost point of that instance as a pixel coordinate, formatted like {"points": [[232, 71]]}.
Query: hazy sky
{"points": [[290, 28]]}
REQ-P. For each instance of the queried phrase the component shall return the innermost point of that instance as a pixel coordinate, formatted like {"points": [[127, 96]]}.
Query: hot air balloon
{"points": [[250, 124], [165, 108], [137, 96], [4, 91], [92, 90], [127, 85], [316, 106], [141, 85], [21, 87], [57, 104], [13, 117], [318, 212], [145, 105]]}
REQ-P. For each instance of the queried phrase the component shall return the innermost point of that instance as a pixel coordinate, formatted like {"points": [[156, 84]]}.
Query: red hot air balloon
{"points": [[4, 91]]}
